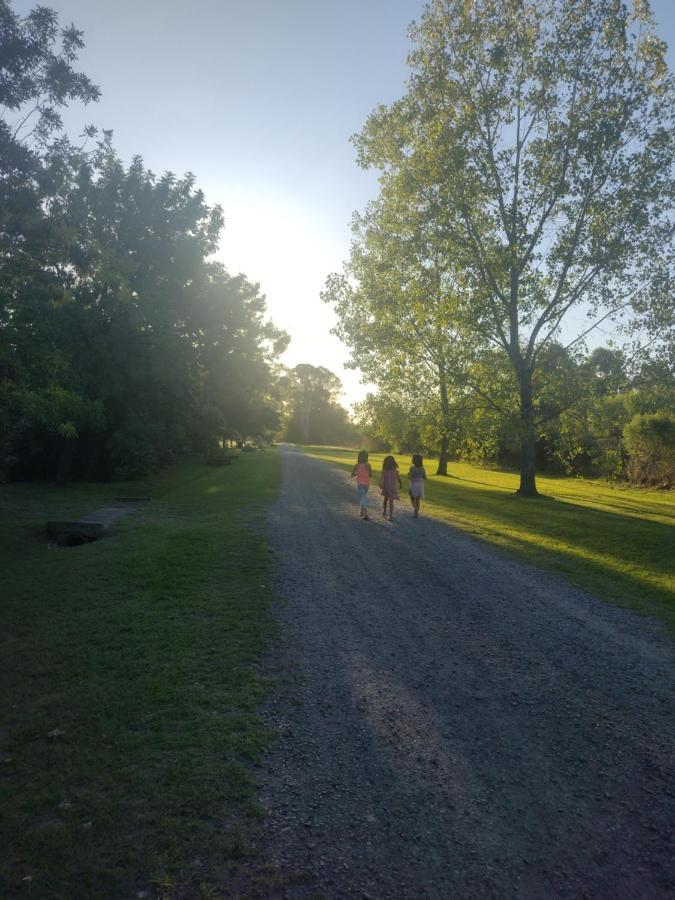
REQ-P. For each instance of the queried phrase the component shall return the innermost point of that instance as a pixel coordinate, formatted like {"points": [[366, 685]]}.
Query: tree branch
{"points": [[595, 324]]}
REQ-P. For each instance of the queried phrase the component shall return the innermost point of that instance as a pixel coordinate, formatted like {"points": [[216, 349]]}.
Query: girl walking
{"points": [[390, 482], [416, 478], [363, 473]]}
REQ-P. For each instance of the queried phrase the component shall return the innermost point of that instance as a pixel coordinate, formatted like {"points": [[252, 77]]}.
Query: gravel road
{"points": [[455, 724]]}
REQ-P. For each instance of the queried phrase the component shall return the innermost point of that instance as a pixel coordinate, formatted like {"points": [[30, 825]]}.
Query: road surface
{"points": [[453, 723]]}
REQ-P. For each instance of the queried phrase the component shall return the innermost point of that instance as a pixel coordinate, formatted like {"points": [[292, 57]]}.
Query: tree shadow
{"points": [[620, 554]]}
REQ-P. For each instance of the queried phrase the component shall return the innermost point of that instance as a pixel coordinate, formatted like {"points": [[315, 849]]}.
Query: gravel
{"points": [[453, 723]]}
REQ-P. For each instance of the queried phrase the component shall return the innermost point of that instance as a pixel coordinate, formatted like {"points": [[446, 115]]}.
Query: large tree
{"points": [[39, 393], [122, 343], [539, 136], [397, 307]]}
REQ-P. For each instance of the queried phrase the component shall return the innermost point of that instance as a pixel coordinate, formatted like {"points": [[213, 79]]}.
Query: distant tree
{"points": [[539, 138], [393, 421], [313, 415], [596, 398]]}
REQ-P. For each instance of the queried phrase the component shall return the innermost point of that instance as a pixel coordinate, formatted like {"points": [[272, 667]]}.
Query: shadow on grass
{"points": [[621, 557], [622, 551], [131, 685]]}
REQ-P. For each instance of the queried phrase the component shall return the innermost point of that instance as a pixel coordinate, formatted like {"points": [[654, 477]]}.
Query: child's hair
{"points": [[363, 456], [417, 459], [389, 463]]}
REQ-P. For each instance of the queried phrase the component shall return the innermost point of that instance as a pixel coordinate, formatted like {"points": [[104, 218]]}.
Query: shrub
{"points": [[650, 441]]}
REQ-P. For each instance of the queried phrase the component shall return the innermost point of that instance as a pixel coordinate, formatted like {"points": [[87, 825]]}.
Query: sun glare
{"points": [[274, 243]]}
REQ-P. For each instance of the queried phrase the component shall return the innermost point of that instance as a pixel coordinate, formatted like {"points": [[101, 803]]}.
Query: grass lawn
{"points": [[129, 684], [618, 542]]}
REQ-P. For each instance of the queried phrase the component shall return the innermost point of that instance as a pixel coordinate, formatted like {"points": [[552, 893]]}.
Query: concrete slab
{"points": [[94, 525]]}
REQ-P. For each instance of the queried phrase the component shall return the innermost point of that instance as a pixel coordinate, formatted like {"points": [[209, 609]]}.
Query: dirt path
{"points": [[456, 724]]}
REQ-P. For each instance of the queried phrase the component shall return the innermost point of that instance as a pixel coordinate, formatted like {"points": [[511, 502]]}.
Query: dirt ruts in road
{"points": [[456, 724]]}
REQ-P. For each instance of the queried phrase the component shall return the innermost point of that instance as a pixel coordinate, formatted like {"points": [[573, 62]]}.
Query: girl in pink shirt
{"points": [[362, 472]]}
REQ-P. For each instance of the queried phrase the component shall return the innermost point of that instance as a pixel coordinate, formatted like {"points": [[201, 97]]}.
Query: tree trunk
{"points": [[305, 415], [445, 441], [65, 461], [528, 485], [443, 457]]}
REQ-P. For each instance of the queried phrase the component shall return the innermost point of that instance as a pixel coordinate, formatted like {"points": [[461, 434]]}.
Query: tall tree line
{"points": [[526, 193], [122, 343]]}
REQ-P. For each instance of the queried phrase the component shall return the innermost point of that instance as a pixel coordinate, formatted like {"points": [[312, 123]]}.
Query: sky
{"points": [[258, 98]]}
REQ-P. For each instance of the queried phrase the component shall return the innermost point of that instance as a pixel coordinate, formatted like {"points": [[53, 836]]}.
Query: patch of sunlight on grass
{"points": [[612, 539]]}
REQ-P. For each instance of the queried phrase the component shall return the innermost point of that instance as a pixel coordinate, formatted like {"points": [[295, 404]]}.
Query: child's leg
{"points": [[365, 502], [391, 508], [384, 505]]}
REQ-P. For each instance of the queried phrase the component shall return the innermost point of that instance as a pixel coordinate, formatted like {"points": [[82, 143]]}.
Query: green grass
{"points": [[138, 654], [613, 540]]}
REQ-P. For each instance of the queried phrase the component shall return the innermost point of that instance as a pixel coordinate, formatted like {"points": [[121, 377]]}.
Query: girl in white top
{"points": [[416, 478]]}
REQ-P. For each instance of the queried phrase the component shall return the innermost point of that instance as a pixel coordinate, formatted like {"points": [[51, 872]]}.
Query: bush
{"points": [[650, 441], [139, 447], [611, 464]]}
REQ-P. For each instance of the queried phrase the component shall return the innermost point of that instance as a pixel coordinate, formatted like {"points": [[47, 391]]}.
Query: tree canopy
{"points": [[312, 413], [535, 146], [122, 343]]}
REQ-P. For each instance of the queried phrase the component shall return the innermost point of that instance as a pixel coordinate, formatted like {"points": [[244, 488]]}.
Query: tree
{"points": [[177, 351], [539, 136], [237, 359], [395, 303], [391, 421], [37, 79], [39, 394], [122, 344], [313, 415]]}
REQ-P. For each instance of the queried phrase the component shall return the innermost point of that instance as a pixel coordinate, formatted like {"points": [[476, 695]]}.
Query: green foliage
{"points": [[650, 440], [588, 436], [390, 421], [527, 172], [122, 344], [312, 412]]}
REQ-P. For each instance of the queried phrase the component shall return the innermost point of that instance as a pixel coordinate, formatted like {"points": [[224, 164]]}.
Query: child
{"points": [[389, 484], [362, 472], [416, 478]]}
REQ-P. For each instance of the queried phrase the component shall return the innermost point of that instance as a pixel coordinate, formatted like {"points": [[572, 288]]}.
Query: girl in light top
{"points": [[390, 482], [416, 478], [362, 472]]}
